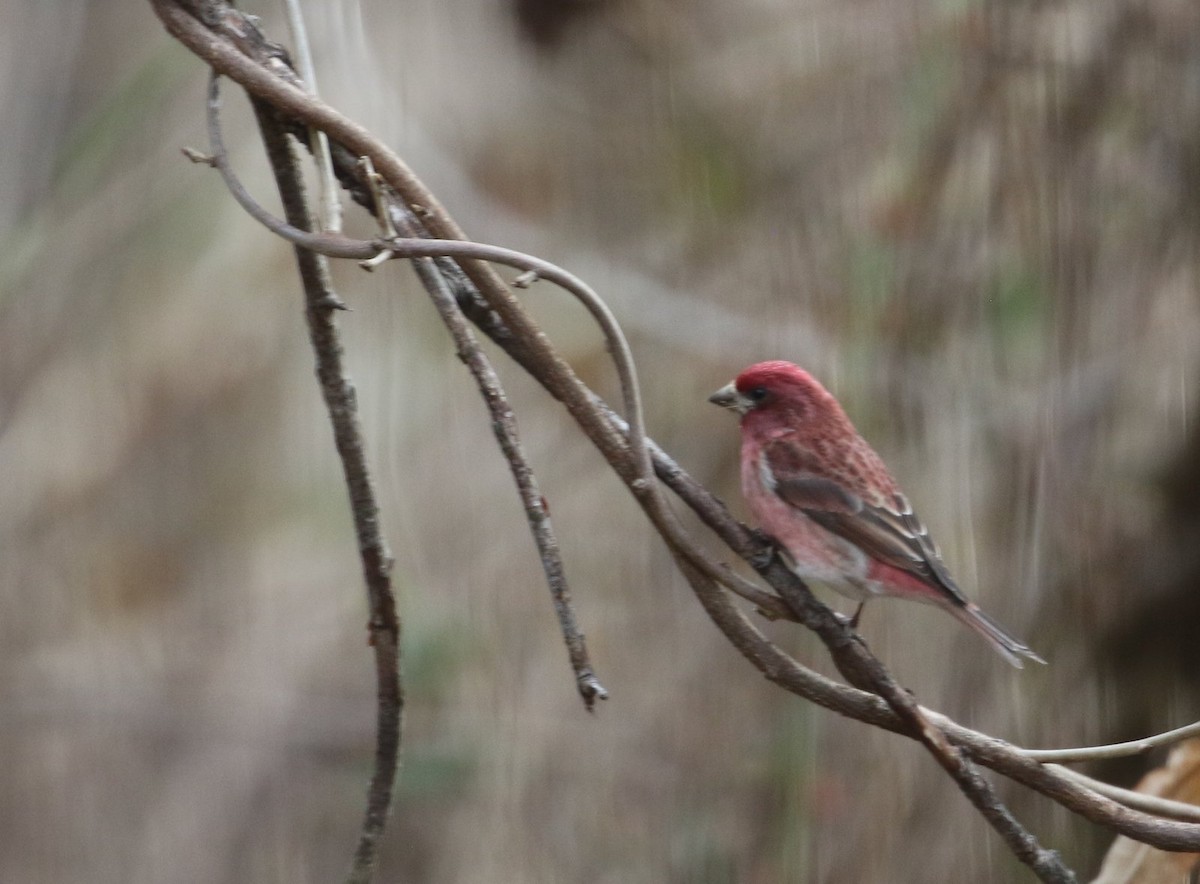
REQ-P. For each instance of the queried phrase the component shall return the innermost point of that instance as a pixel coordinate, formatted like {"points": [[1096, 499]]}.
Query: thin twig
{"points": [[331, 245], [341, 401], [504, 425], [331, 208], [1178, 810], [1114, 750]]}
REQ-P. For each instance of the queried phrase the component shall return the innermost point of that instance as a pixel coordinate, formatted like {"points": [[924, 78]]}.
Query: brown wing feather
{"points": [[891, 534]]}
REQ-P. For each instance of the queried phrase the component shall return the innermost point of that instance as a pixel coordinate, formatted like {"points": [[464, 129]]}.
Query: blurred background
{"points": [[976, 221]]}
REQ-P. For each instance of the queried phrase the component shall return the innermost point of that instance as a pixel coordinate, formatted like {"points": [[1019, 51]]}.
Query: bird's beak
{"points": [[729, 397]]}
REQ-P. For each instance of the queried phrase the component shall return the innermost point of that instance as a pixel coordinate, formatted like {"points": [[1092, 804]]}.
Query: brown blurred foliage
{"points": [[977, 222]]}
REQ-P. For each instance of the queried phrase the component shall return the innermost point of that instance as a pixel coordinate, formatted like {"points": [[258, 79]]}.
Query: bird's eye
{"points": [[757, 394]]}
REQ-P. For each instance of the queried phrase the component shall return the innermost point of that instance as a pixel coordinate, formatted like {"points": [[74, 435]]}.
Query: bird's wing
{"points": [[887, 531]]}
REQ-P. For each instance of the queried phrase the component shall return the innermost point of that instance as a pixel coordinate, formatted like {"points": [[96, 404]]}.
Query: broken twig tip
{"points": [[332, 302], [197, 156], [591, 690], [370, 264]]}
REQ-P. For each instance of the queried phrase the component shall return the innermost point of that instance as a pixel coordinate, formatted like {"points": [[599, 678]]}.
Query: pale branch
{"points": [[330, 214], [341, 402], [1114, 750], [330, 245], [1166, 807]]}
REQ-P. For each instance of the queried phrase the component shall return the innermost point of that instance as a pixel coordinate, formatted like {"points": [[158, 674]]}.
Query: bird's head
{"points": [[778, 389]]}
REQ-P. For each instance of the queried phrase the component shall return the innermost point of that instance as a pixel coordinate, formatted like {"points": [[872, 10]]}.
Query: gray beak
{"points": [[729, 397]]}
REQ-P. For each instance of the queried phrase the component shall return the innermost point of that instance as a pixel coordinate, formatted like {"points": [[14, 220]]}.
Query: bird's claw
{"points": [[761, 537], [761, 560], [851, 620]]}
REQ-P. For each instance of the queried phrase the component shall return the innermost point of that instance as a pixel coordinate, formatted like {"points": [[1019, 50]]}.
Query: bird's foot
{"points": [[852, 620], [766, 550]]}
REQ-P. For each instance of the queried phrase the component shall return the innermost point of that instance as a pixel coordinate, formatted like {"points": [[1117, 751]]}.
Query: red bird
{"points": [[835, 512]]}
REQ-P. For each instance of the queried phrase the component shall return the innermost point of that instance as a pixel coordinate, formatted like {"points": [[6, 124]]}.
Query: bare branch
{"points": [[330, 245], [504, 425], [341, 402], [1179, 810], [1114, 750]]}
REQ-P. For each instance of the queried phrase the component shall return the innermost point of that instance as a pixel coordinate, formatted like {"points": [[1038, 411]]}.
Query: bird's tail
{"points": [[1008, 647]]}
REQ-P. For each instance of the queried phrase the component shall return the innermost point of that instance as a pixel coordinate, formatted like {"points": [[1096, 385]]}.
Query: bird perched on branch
{"points": [[833, 509]]}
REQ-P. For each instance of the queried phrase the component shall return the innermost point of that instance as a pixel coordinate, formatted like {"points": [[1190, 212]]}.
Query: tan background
{"points": [[976, 221]]}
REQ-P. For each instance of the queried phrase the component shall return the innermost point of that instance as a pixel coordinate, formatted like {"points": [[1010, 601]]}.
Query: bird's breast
{"points": [[812, 552]]}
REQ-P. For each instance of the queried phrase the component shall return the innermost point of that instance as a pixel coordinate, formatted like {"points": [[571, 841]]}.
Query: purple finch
{"points": [[831, 506]]}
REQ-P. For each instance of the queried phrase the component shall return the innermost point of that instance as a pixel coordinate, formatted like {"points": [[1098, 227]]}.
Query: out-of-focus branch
{"points": [[331, 209], [338, 391]]}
